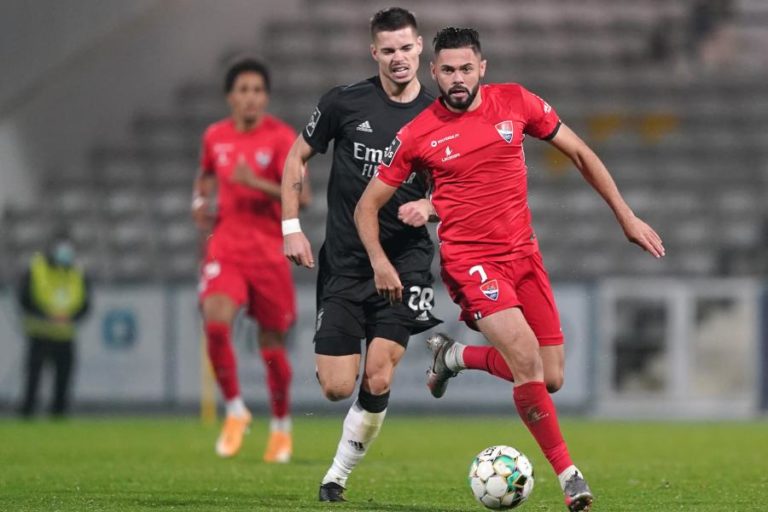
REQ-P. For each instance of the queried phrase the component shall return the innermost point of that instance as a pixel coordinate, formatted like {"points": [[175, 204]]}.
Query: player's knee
{"points": [[219, 308], [379, 384], [335, 391], [378, 380], [526, 361], [336, 395], [554, 382], [553, 359]]}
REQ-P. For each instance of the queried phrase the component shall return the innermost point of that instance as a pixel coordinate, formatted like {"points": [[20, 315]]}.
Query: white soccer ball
{"points": [[501, 478]]}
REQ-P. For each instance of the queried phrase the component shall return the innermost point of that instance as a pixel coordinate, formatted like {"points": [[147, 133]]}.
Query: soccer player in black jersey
{"points": [[362, 120]]}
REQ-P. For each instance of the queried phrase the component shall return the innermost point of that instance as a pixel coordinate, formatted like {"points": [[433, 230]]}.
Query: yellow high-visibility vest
{"points": [[59, 292]]}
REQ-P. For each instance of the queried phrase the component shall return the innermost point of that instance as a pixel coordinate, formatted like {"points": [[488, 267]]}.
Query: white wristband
{"points": [[291, 226], [198, 201]]}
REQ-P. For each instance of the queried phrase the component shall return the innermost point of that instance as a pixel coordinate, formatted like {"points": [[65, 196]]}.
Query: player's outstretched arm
{"points": [[373, 199], [597, 175], [296, 247]]}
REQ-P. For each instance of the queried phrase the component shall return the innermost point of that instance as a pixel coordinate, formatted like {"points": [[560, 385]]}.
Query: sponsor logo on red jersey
{"points": [[450, 154], [490, 289], [222, 151], [506, 130]]}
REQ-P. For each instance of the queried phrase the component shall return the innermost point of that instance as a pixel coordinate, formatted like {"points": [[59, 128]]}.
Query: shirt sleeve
{"points": [[542, 120], [206, 156], [397, 162], [324, 121]]}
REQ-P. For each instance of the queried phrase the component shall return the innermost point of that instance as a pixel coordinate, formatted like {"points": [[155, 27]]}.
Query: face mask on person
{"points": [[63, 254]]}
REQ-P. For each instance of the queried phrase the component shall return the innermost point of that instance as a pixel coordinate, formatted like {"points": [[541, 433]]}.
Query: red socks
{"points": [[538, 413], [487, 359], [222, 358], [278, 379], [532, 401]]}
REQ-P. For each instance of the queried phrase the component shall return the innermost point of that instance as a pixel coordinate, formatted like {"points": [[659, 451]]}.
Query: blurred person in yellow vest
{"points": [[54, 297]]}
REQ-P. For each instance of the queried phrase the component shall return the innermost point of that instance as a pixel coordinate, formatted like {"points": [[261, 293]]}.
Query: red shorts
{"points": [[483, 289], [266, 290]]}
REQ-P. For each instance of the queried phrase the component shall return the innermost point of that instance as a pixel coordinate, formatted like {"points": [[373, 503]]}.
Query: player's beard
{"points": [[457, 104]]}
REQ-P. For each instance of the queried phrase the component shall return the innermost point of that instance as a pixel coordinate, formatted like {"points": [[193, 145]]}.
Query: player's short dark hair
{"points": [[391, 19], [245, 66], [453, 37]]}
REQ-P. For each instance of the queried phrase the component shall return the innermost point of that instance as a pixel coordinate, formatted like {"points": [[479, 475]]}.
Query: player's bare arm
{"points": [[296, 247], [305, 196], [597, 175], [204, 188], [417, 213], [373, 199]]}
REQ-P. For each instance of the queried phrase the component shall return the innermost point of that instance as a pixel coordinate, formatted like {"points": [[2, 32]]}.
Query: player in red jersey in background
{"points": [[243, 157], [471, 143]]}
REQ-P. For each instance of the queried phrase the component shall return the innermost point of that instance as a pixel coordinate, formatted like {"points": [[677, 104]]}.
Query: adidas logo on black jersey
{"points": [[365, 126]]}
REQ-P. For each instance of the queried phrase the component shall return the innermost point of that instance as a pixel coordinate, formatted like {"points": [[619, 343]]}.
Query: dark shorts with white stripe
{"points": [[350, 312]]}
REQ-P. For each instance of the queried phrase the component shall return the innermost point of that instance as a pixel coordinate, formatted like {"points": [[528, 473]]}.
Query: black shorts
{"points": [[349, 310]]}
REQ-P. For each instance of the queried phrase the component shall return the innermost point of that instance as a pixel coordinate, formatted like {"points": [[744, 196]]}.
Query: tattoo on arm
{"points": [[298, 186]]}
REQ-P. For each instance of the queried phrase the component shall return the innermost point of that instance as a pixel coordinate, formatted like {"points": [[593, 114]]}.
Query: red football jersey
{"points": [[247, 227], [477, 165]]}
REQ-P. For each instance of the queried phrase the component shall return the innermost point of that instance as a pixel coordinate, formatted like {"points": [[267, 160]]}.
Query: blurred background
{"points": [[103, 104]]}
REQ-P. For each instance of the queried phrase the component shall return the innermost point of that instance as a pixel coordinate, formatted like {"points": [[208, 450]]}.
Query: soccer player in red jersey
{"points": [[470, 141], [243, 157]]}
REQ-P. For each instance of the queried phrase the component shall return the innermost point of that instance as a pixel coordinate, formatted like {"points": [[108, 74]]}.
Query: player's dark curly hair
{"points": [[391, 19], [247, 65], [453, 37]]}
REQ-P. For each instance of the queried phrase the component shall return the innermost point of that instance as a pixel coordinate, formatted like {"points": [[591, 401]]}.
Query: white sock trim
{"points": [[236, 407], [566, 474], [283, 424], [454, 357]]}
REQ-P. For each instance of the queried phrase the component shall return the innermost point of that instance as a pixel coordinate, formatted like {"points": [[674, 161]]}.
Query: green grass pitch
{"points": [[417, 464]]}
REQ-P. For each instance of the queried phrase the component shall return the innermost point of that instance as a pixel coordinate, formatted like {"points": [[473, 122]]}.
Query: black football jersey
{"points": [[362, 121]]}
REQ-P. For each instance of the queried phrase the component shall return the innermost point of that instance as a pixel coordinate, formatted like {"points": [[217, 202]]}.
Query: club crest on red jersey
{"points": [[263, 157], [490, 289], [506, 130]]}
